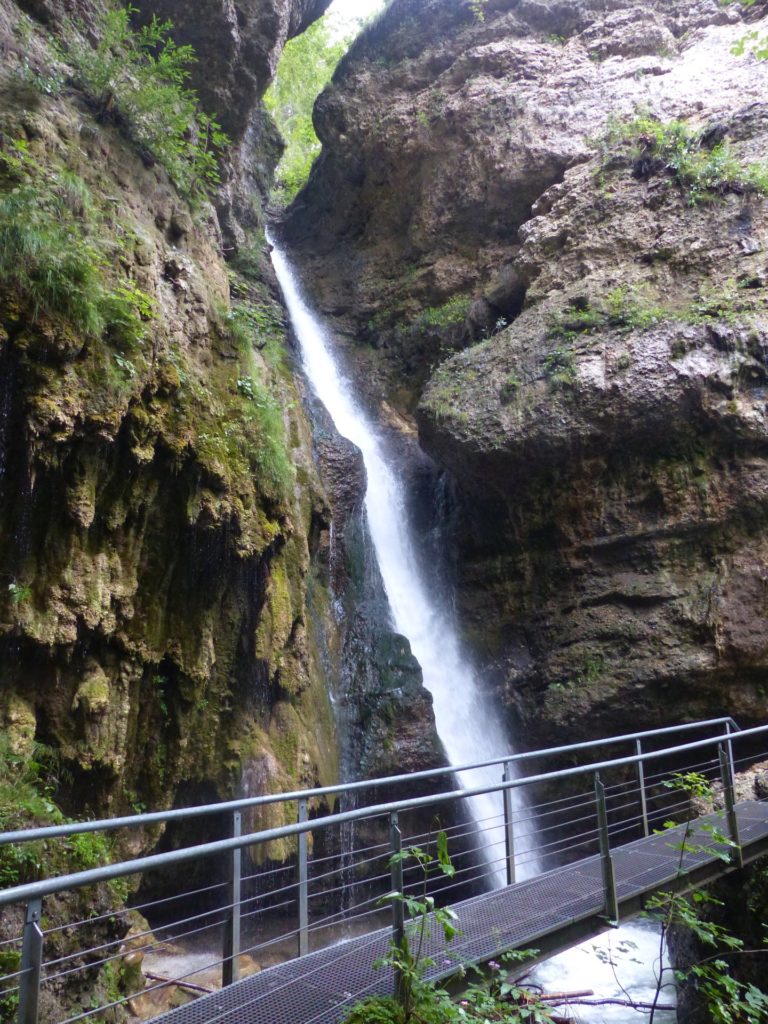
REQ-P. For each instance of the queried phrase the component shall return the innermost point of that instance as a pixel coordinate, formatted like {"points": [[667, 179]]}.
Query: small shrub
{"points": [[19, 593], [728, 1000], [139, 79], [451, 313], [753, 42], [45, 256], [477, 7], [702, 171], [422, 1002], [560, 367], [509, 388]]}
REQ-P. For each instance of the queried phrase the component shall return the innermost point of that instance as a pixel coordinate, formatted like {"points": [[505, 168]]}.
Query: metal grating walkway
{"points": [[550, 912]]}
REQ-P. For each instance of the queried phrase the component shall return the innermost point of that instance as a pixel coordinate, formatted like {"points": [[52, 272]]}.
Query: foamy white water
{"points": [[621, 964], [467, 724]]}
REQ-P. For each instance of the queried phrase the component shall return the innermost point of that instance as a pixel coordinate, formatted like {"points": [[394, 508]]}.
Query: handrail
{"points": [[46, 887], [155, 817]]}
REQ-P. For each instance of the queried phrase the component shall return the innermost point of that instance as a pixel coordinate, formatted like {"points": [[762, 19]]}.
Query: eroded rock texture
{"points": [[156, 528], [482, 189]]}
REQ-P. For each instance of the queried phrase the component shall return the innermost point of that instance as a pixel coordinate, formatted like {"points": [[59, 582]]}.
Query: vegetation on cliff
{"points": [[155, 547]]}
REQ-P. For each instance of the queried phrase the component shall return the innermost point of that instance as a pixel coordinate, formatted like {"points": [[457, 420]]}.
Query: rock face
{"points": [[159, 503], [518, 187]]}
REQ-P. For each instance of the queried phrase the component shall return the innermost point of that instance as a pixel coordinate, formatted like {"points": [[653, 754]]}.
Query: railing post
{"points": [[509, 828], [31, 964], [303, 881], [726, 774], [230, 971], [398, 911], [609, 876], [641, 780], [729, 748]]}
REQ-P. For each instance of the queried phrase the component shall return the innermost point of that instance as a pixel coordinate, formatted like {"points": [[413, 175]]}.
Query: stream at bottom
{"points": [[620, 964]]}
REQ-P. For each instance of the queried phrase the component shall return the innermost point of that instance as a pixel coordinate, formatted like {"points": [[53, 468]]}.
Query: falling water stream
{"points": [[467, 724]]}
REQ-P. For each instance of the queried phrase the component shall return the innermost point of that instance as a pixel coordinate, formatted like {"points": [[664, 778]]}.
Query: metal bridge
{"points": [[299, 904]]}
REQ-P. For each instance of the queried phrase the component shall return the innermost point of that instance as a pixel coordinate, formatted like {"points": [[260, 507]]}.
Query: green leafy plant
{"points": [[450, 314], [139, 78], [509, 389], [407, 956], [477, 7], [633, 308], [752, 42], [702, 169], [19, 593], [52, 256], [728, 1000], [560, 367], [418, 1001]]}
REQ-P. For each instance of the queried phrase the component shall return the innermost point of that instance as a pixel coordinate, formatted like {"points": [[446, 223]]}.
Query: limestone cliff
{"points": [[573, 196], [159, 503]]}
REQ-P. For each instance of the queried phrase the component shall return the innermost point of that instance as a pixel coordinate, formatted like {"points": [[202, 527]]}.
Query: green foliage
{"points": [[509, 389], [422, 1002], [753, 42], [407, 956], [702, 171], [19, 593], [257, 325], [560, 367], [27, 786], [631, 308], [477, 7], [728, 1000], [139, 78], [10, 963], [306, 66], [262, 436], [451, 313], [51, 255]]}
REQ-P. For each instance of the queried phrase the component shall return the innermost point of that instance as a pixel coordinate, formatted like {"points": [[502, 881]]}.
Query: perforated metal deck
{"points": [[549, 911]]}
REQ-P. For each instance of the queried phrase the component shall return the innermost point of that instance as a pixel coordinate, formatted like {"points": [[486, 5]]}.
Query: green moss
{"points": [[92, 697], [277, 616]]}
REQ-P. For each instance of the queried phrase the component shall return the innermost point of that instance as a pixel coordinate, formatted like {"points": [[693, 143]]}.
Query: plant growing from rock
{"points": [[701, 162], [139, 79], [753, 42], [53, 257], [727, 1000]]}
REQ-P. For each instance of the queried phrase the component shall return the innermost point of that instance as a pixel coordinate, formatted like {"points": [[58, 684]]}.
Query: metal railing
{"points": [[353, 881]]}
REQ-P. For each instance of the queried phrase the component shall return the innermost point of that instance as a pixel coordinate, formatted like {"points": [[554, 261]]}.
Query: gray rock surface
{"points": [[606, 420]]}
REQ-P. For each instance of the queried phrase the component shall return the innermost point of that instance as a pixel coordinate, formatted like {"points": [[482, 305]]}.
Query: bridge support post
{"points": [[31, 964], [641, 782], [509, 828], [303, 881], [398, 912], [609, 875], [726, 774], [230, 970]]}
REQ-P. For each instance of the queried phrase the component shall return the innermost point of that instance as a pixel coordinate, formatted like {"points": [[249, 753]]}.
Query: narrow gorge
{"points": [[463, 451]]}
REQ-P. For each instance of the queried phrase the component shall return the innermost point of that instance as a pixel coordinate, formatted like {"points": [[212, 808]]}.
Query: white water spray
{"points": [[466, 723]]}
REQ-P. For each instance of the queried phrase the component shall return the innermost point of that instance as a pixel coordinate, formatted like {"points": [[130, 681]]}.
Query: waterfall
{"points": [[468, 726]]}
